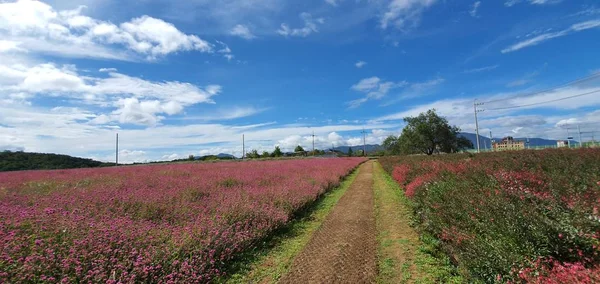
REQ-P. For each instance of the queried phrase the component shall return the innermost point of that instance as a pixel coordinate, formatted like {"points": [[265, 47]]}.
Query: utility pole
{"points": [[364, 133], [313, 137], [568, 136], [117, 151], [580, 141], [475, 104], [243, 147], [491, 141]]}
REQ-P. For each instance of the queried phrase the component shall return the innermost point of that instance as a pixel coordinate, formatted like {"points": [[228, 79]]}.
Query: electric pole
{"points": [[491, 141], [580, 141], [364, 133], [475, 104], [568, 136], [313, 137], [117, 151]]}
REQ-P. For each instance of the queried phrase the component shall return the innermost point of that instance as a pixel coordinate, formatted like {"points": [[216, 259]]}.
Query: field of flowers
{"points": [[166, 223], [509, 217]]}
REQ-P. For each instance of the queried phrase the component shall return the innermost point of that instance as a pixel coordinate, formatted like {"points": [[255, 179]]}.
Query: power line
{"points": [[545, 102], [577, 81]]}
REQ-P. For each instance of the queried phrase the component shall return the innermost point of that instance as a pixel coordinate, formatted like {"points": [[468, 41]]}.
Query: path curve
{"points": [[344, 249]]}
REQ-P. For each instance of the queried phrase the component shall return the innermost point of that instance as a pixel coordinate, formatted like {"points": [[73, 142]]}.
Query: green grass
{"points": [[430, 265], [273, 258]]}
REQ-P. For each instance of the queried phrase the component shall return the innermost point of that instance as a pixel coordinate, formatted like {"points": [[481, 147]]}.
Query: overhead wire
{"points": [[577, 81], [545, 102]]}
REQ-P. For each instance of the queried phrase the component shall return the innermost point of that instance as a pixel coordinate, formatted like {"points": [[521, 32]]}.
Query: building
{"points": [[562, 143], [508, 143]]}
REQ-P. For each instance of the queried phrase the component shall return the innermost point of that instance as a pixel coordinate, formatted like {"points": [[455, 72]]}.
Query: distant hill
{"points": [[225, 156], [369, 147], [18, 161], [486, 142]]}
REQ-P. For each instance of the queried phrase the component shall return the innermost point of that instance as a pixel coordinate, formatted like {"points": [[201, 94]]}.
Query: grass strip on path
{"points": [[403, 257], [274, 259]]}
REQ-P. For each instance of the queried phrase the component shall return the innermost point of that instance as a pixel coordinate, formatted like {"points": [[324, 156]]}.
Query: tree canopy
{"points": [[277, 152], [427, 133], [16, 161], [299, 149]]}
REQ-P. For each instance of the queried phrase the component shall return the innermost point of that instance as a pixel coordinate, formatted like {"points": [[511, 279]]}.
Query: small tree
{"points": [[265, 154], [350, 152], [191, 157], [277, 152], [253, 154], [427, 133], [299, 149]]}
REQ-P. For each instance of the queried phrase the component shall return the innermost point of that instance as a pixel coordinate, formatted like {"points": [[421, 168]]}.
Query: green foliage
{"points": [[265, 154], [350, 152], [277, 152], [253, 154], [496, 214], [299, 149], [17, 161], [427, 133], [191, 157]]}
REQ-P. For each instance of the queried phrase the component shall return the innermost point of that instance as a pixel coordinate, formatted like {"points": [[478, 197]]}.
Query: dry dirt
{"points": [[344, 249]]}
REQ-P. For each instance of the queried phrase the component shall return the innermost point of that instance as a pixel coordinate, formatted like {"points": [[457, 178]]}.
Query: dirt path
{"points": [[344, 249], [402, 256]]}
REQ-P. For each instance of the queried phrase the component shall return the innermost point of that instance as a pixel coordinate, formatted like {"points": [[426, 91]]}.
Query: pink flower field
{"points": [[162, 223]]}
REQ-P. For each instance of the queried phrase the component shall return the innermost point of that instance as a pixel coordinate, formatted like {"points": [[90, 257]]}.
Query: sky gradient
{"points": [[175, 78]]}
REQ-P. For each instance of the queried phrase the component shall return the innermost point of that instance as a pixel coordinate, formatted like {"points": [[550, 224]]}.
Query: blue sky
{"points": [[175, 78]]}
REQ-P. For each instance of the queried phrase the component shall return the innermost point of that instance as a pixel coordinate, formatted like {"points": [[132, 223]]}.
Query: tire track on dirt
{"points": [[344, 249]]}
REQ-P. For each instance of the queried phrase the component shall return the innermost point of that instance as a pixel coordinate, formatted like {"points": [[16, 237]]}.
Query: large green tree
{"points": [[427, 133], [299, 149]]}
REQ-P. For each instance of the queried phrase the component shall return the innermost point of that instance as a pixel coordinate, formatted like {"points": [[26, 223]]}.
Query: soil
{"points": [[344, 248]]}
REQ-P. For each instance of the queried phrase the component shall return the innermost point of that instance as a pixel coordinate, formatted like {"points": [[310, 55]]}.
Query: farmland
{"points": [[529, 216], [167, 223]]}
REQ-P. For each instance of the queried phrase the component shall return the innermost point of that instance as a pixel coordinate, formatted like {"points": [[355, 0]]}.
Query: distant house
{"points": [[562, 143], [508, 143]]}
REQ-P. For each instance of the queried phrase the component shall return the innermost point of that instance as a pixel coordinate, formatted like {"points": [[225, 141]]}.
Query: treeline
{"points": [[18, 161]]}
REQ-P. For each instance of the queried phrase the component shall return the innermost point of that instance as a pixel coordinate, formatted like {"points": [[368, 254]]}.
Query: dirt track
{"points": [[344, 249]]}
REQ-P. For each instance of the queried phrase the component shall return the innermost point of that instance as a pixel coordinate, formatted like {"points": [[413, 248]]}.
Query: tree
{"points": [[427, 133], [349, 151], [265, 154], [253, 154], [277, 152], [299, 149], [390, 144], [191, 157]]}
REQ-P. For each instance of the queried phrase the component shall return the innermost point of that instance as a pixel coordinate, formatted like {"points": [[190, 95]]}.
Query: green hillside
{"points": [[18, 161]]}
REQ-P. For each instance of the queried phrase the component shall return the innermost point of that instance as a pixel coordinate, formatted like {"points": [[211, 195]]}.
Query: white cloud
{"points": [[40, 28], [374, 88], [510, 3], [474, 8], [548, 36], [107, 70], [404, 14], [481, 69], [229, 113], [242, 31], [171, 157], [136, 100], [360, 64], [333, 2], [8, 45], [310, 26]]}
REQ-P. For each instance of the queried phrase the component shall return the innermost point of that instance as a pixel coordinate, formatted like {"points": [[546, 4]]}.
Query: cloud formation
{"points": [[548, 36], [404, 14], [36, 26], [311, 25], [242, 31], [136, 100]]}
